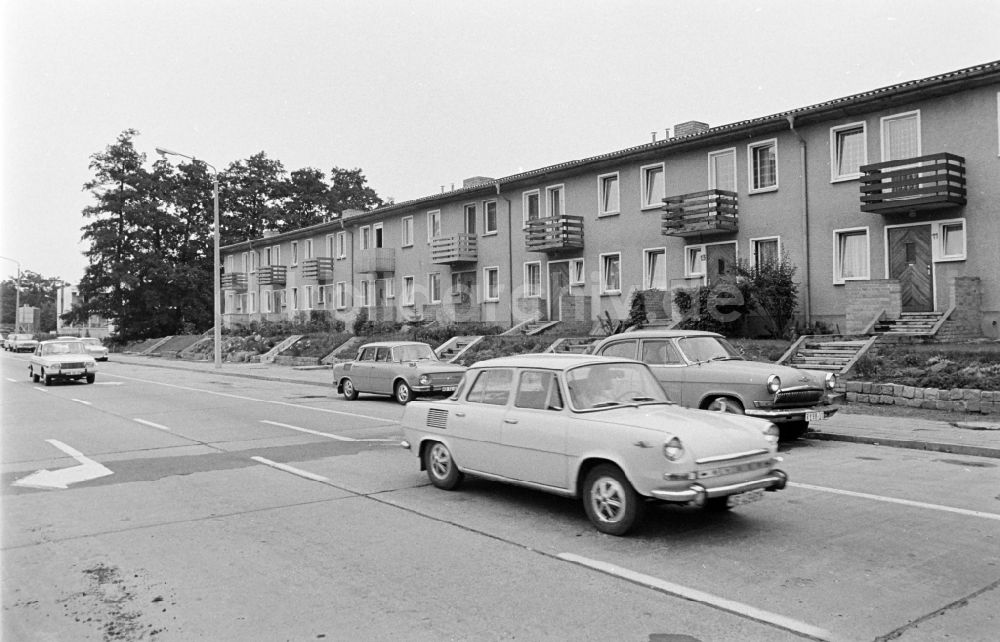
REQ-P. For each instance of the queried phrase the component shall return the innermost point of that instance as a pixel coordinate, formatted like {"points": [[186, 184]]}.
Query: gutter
{"points": [[805, 216]]}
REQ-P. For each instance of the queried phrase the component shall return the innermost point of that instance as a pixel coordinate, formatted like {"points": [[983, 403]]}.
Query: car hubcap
{"points": [[607, 497], [440, 462], [348, 388], [403, 392]]}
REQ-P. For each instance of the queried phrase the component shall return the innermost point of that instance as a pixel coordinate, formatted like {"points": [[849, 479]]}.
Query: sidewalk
{"points": [[965, 435]]}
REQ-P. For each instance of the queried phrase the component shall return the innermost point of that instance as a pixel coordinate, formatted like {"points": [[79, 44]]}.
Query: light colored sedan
{"points": [[95, 348], [21, 343], [402, 369], [703, 370], [61, 361], [595, 428]]}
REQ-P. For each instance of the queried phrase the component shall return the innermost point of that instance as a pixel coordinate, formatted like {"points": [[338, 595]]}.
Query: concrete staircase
{"points": [[923, 324], [268, 357], [833, 353], [572, 345], [455, 347], [538, 327]]}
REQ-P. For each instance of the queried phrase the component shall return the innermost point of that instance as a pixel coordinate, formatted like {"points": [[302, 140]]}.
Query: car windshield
{"points": [[708, 349], [92, 342], [63, 347], [22, 337], [414, 352], [606, 385]]}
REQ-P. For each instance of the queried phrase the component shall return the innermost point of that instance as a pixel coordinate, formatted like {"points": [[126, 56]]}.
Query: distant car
{"points": [[61, 361], [95, 348], [21, 343], [402, 369], [703, 370], [595, 428]]}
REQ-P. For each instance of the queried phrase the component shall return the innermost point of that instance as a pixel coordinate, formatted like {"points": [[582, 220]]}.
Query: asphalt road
{"points": [[205, 507]]}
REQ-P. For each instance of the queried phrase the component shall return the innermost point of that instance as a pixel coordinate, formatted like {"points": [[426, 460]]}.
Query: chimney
{"points": [[689, 128], [352, 212], [269, 233], [653, 134], [476, 181]]}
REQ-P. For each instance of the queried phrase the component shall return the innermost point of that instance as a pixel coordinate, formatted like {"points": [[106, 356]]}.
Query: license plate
{"points": [[448, 388], [815, 416], [72, 372], [749, 497]]}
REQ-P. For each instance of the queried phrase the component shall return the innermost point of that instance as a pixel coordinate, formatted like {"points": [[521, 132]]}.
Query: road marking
{"points": [[12, 380], [893, 500], [86, 403], [290, 469], [151, 424], [107, 383], [87, 470], [317, 432], [41, 389], [695, 595]]}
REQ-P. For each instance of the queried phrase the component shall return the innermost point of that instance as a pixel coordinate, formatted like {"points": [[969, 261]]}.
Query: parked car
{"points": [[21, 343], [595, 428], [703, 370], [60, 361], [403, 369], [95, 348]]}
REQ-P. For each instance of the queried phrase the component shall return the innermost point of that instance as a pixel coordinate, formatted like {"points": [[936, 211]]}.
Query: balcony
{"points": [[317, 270], [377, 259], [234, 281], [272, 275], [554, 234], [459, 248], [714, 211], [929, 182]]}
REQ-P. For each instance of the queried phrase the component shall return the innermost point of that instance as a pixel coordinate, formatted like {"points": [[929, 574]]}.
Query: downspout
{"points": [[805, 210], [510, 255]]}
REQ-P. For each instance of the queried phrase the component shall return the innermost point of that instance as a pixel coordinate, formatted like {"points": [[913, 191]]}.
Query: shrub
{"points": [[773, 290], [718, 308]]}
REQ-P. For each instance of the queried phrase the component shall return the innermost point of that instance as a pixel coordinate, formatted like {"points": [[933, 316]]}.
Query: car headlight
{"points": [[424, 380], [673, 449], [831, 380], [772, 433], [773, 384]]}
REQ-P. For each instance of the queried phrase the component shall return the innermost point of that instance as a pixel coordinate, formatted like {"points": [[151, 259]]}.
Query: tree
{"points": [[252, 198], [37, 291], [349, 190], [774, 291]]}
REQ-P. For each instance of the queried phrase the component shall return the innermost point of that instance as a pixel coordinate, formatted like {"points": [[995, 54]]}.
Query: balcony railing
{"points": [[709, 212], [378, 259], [234, 281], [317, 270], [554, 234], [459, 248], [922, 183], [272, 275]]}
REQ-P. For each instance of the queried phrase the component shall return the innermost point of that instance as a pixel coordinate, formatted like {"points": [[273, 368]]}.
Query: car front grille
{"points": [[72, 366], [437, 418], [799, 397], [445, 378]]}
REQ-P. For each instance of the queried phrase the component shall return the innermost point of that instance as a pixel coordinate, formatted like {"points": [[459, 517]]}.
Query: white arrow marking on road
{"points": [[87, 470]]}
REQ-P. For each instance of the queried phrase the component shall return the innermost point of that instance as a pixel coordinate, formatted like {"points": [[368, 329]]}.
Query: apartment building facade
{"points": [[885, 202]]}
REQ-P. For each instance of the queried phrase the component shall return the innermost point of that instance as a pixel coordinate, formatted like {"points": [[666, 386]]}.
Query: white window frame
{"points": [[433, 215], [496, 224], [308, 297], [408, 290], [644, 173], [365, 237], [331, 245], [761, 239], [751, 148], [365, 293], [524, 205], [838, 268], [695, 256], [276, 255], [341, 245], [604, 275], [937, 236], [487, 296], [577, 272], [528, 290], [294, 298], [713, 179], [295, 253], [340, 295], [378, 235], [307, 249], [230, 259], [431, 279], [251, 301], [321, 295], [475, 218], [245, 261], [406, 240], [601, 181], [646, 276], [555, 192], [835, 132], [390, 288], [903, 115]]}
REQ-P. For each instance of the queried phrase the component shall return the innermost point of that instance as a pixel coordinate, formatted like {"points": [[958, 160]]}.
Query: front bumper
{"points": [[785, 415], [696, 493], [434, 390]]}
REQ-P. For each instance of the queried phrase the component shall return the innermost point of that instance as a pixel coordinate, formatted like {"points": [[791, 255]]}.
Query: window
{"points": [[608, 198], [433, 225], [654, 271], [660, 353], [490, 217], [246, 261], [491, 277], [366, 237], [533, 279], [722, 170], [307, 249], [653, 186], [321, 295], [276, 255], [295, 298], [950, 237], [621, 349], [307, 297], [365, 294], [377, 235], [765, 251], [611, 275], [331, 247], [694, 260], [254, 260], [532, 211], [390, 288], [492, 386], [407, 290], [469, 216], [267, 256], [848, 151], [251, 302], [577, 275], [554, 201], [341, 295], [434, 287], [341, 245], [763, 162], [538, 390], [295, 252], [407, 231], [901, 136], [850, 260]]}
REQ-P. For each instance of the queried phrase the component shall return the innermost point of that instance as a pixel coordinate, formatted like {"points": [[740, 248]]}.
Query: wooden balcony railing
{"points": [[317, 270], [458, 248], [234, 281], [378, 259], [922, 183], [708, 212], [272, 275], [554, 234]]}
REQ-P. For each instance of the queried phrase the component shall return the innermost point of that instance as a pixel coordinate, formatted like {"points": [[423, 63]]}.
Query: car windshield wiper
{"points": [[605, 404], [643, 398]]}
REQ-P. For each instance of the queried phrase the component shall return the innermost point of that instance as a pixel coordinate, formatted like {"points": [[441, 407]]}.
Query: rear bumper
{"points": [[784, 415], [696, 493]]}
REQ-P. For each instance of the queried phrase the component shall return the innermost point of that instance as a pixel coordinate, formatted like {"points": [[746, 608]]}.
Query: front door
{"points": [[910, 262], [558, 287], [720, 262]]}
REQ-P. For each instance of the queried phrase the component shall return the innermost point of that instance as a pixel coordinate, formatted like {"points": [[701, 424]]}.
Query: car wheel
{"points": [[91, 378], [403, 392], [350, 392], [611, 503], [725, 404], [441, 468], [46, 378], [792, 430]]}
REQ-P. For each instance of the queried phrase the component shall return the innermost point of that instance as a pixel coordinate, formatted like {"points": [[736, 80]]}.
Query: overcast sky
{"points": [[420, 94]]}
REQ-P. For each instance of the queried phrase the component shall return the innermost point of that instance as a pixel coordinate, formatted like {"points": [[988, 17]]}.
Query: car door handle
{"points": [[459, 414], [510, 421]]}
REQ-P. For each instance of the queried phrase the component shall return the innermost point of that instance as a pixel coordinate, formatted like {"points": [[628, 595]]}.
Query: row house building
{"points": [[886, 202]]}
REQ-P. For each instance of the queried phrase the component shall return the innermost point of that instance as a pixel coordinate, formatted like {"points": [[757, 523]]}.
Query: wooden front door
{"points": [[910, 262], [720, 262], [558, 287]]}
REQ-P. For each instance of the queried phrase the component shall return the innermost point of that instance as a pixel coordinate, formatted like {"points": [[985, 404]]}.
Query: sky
{"points": [[419, 94]]}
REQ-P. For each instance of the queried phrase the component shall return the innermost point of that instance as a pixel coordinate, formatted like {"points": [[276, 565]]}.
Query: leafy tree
{"points": [[252, 197], [37, 291], [308, 199], [349, 190], [774, 292]]}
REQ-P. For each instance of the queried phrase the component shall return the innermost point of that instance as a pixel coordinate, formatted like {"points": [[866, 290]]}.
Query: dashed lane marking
{"points": [[321, 434], [291, 469], [894, 500], [151, 424], [86, 403]]}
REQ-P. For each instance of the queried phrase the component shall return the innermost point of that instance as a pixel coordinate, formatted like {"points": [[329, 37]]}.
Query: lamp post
{"points": [[216, 284], [17, 291]]}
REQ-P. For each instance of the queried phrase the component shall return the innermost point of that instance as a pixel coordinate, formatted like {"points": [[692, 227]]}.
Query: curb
{"points": [[241, 375], [912, 444]]}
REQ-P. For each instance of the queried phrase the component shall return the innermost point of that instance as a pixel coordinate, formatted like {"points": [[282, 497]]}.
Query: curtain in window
{"points": [[853, 260], [656, 270], [764, 167], [555, 202], [766, 252], [534, 280], [612, 273], [531, 205], [850, 151], [901, 138], [609, 194], [724, 171]]}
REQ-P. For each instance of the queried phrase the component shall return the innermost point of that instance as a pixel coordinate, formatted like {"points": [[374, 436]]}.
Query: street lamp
{"points": [[216, 285], [17, 291]]}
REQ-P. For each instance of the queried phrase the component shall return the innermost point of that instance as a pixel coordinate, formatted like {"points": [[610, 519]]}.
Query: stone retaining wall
{"points": [[956, 400]]}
